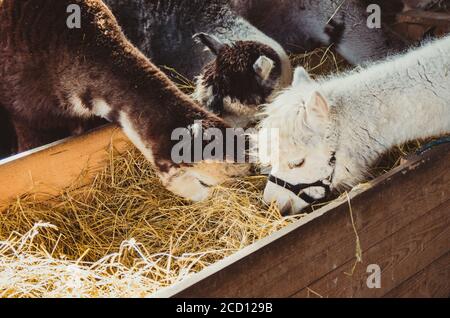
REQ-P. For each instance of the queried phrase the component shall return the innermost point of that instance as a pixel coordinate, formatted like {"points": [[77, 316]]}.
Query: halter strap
{"points": [[299, 189]]}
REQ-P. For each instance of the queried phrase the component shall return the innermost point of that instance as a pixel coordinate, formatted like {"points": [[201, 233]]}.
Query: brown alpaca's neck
{"points": [[132, 92]]}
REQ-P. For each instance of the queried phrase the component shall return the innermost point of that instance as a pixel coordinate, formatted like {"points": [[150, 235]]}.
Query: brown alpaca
{"points": [[56, 81]]}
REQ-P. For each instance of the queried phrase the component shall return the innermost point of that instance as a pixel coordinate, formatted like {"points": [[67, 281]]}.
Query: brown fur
{"points": [[43, 63], [303, 25], [7, 135]]}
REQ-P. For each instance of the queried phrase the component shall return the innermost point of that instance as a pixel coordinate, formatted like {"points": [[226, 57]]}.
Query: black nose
{"points": [[287, 209]]}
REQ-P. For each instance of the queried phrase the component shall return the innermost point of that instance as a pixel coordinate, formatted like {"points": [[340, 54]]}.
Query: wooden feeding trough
{"points": [[414, 25], [399, 224]]}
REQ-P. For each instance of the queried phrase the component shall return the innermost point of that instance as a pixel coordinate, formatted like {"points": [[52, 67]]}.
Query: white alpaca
{"points": [[332, 130]]}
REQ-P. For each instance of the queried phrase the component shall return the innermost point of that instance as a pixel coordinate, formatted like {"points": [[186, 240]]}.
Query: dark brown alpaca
{"points": [[244, 75], [56, 81], [165, 30]]}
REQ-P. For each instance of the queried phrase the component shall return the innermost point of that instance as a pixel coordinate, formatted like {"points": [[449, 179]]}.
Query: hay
{"points": [[127, 236], [180, 80], [320, 62]]}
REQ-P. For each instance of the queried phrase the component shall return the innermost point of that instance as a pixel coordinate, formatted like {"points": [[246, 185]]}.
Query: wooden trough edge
{"points": [[48, 169], [401, 221]]}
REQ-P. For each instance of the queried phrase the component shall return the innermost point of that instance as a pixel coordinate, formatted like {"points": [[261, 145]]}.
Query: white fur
{"points": [[78, 109], [263, 66], [203, 94], [196, 130], [371, 110], [189, 182], [238, 115], [186, 183], [130, 130], [301, 76], [101, 108]]}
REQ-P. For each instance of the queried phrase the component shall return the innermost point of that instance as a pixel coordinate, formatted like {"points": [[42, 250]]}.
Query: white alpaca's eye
{"points": [[296, 164], [204, 184]]}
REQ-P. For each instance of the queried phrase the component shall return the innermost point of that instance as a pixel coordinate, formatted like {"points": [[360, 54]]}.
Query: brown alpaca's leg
{"points": [[77, 129], [29, 137], [8, 139]]}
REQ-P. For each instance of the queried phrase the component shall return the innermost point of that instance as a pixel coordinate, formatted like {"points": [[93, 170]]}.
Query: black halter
{"points": [[299, 189]]}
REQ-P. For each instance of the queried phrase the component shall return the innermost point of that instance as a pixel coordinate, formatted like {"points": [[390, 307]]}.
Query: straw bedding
{"points": [[126, 236]]}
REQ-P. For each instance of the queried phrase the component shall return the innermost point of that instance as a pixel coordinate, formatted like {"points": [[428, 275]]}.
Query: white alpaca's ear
{"points": [[263, 67], [211, 42], [301, 77], [317, 111]]}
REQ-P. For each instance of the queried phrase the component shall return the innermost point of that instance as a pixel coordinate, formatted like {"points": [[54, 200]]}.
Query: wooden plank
{"points": [[432, 282], [425, 18], [400, 256], [54, 167], [412, 32], [416, 24], [294, 261]]}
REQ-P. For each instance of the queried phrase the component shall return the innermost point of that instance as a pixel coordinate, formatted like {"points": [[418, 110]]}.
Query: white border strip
{"points": [[33, 151]]}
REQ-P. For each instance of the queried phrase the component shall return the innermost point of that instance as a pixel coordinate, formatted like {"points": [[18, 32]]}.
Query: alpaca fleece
{"points": [[54, 80], [302, 25]]}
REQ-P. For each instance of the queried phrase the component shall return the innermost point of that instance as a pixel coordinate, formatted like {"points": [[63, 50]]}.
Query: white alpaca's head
{"points": [[305, 151]]}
